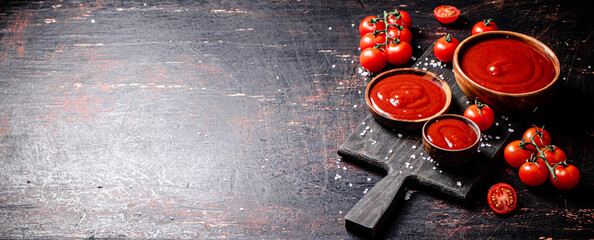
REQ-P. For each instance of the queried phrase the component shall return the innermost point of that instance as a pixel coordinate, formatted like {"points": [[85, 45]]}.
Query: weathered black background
{"points": [[197, 119]]}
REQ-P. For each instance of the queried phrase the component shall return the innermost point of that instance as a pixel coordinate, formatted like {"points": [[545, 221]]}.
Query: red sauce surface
{"points": [[407, 96], [507, 65], [451, 133]]}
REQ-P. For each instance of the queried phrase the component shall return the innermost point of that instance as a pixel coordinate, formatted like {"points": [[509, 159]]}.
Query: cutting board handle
{"points": [[369, 213]]}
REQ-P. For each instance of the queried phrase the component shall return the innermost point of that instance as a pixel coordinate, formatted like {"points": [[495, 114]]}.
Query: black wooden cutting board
{"points": [[401, 155]]}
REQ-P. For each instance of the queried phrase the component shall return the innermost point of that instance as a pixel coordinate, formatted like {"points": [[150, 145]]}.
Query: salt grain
{"points": [[459, 184], [364, 192], [368, 179], [407, 195]]}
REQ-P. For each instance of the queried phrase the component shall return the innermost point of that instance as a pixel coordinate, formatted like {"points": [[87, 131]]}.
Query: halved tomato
{"points": [[502, 198], [446, 14]]}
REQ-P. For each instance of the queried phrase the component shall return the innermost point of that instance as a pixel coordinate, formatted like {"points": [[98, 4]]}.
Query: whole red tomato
{"points": [[542, 138], [404, 20], [444, 48], [369, 40], [481, 114], [399, 53], [553, 154], [516, 153], [373, 59], [370, 24], [567, 177], [484, 26], [533, 174], [404, 34]]}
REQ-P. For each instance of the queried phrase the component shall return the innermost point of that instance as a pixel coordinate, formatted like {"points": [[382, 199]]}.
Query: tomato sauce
{"points": [[451, 133], [407, 96], [507, 65]]}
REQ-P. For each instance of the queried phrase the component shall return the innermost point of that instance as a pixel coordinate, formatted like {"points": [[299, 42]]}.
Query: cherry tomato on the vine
{"points": [[567, 177], [553, 155], [516, 155], [370, 40], [502, 198], [399, 53], [405, 34], [542, 138], [533, 174], [370, 24], [481, 114], [373, 59], [404, 20], [484, 26], [446, 14], [444, 48]]}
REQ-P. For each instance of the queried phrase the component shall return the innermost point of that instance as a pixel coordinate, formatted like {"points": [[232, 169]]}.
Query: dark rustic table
{"points": [[199, 119]]}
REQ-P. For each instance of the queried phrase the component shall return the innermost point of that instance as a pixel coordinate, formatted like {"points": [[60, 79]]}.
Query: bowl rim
{"points": [[444, 86], [518, 36], [460, 117]]}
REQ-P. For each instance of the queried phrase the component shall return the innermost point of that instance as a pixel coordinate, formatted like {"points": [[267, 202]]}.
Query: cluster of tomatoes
{"points": [[538, 160], [385, 39]]}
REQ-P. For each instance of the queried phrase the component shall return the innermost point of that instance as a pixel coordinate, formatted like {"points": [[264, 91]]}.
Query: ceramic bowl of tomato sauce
{"points": [[509, 71], [406, 98], [451, 140]]}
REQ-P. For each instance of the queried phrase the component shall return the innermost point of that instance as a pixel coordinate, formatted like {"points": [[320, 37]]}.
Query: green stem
{"points": [[487, 21], [541, 155]]}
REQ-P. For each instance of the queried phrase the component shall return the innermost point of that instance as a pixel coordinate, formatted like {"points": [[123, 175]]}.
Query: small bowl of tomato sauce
{"points": [[406, 98], [509, 71], [451, 140]]}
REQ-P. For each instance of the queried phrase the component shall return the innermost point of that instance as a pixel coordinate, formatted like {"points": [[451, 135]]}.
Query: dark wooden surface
{"points": [[183, 119]]}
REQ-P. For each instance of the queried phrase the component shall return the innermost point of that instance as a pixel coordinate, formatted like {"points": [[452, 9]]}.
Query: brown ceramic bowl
{"points": [[447, 157], [501, 101], [404, 123]]}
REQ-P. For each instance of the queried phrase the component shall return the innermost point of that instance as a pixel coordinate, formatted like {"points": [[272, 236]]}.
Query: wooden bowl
{"points": [[501, 101], [449, 158], [404, 123]]}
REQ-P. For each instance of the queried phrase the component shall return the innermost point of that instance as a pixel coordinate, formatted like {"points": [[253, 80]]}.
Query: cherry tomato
{"points": [[446, 14], [367, 25], [399, 53], [515, 155], [373, 59], [444, 48], [542, 138], [502, 198], [567, 177], [533, 174], [553, 155], [404, 20], [405, 34], [484, 26], [370, 40], [481, 114]]}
